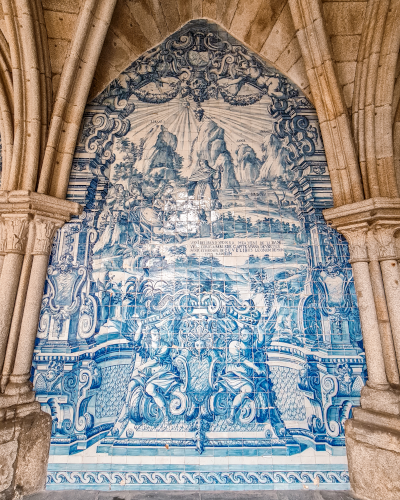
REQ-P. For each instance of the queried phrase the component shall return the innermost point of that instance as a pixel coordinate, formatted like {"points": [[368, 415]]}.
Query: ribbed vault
{"points": [[266, 26]]}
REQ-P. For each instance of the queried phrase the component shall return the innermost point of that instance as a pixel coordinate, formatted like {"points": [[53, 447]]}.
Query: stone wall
{"points": [[24, 449]]}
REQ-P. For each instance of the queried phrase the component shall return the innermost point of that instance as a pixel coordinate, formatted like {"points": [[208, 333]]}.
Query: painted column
{"points": [[384, 236], [356, 236], [44, 233], [16, 228], [389, 354]]}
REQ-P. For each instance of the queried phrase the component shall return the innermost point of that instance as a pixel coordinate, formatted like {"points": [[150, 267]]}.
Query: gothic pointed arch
{"points": [[200, 302]]}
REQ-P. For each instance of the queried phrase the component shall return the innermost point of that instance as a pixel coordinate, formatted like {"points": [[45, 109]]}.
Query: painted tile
{"points": [[199, 326]]}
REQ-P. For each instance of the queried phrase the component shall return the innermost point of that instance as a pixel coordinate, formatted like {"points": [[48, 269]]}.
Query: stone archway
{"points": [[201, 254]]}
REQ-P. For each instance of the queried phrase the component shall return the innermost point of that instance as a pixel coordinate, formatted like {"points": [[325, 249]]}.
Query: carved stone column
{"points": [[18, 311], [16, 229], [44, 230], [2, 243], [356, 236], [389, 354], [387, 255]]}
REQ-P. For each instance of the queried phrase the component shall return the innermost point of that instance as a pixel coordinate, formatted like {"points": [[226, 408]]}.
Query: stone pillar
{"points": [[16, 229], [389, 354], [384, 236], [2, 244], [44, 230], [356, 236], [18, 311]]}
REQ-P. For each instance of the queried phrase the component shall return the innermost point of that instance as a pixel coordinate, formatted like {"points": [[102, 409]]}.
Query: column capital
{"points": [[21, 210], [356, 236], [45, 229], [384, 235], [14, 232]]}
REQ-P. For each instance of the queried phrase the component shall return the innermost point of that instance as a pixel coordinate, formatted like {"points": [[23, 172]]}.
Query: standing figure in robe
{"points": [[206, 182]]}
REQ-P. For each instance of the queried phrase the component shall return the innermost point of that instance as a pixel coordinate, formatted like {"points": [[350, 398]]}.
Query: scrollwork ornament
{"points": [[44, 234], [357, 240], [100, 135], [384, 237], [16, 233]]}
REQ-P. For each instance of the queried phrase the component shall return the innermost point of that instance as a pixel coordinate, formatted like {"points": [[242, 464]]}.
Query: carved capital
{"points": [[44, 234], [385, 241], [2, 237], [372, 245], [16, 233], [356, 237]]}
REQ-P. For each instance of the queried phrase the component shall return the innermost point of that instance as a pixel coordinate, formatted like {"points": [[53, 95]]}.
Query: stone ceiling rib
{"points": [[329, 102], [72, 95], [139, 25]]}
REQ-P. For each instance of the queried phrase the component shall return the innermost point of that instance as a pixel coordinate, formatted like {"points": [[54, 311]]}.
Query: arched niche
{"points": [[200, 303]]}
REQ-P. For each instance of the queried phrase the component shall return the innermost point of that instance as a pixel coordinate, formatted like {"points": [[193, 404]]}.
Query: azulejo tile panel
{"points": [[199, 326]]}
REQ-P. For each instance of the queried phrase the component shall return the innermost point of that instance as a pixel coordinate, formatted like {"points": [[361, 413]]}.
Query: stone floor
{"points": [[192, 495]]}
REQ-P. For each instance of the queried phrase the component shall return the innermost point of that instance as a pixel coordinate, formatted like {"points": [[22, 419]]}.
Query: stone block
{"points": [[171, 14], [185, 10], [264, 22], [346, 72], [289, 56], [244, 16], [8, 454], [374, 470], [210, 9], [145, 18], [117, 51], [197, 8], [126, 27], [380, 401], [298, 74], [280, 36], [71, 6], [60, 24], [348, 91], [345, 47], [58, 49], [23, 459], [344, 18]]}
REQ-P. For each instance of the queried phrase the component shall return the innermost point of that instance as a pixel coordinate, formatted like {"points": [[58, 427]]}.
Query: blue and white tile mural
{"points": [[199, 326]]}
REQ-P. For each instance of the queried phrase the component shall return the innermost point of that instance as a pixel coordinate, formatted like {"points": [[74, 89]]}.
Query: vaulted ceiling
{"points": [[339, 52], [265, 26]]}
